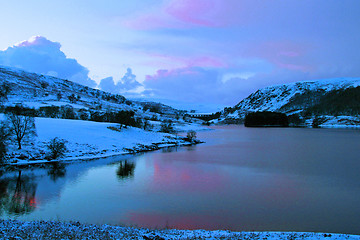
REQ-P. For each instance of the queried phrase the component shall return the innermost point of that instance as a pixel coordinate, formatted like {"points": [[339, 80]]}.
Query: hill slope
{"points": [[326, 98], [90, 118], [34, 90]]}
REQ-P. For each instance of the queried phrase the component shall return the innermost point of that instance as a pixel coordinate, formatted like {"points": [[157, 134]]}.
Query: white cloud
{"points": [[43, 56], [127, 84]]}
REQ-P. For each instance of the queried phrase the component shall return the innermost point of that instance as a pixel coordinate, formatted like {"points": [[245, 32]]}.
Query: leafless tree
{"points": [[21, 126]]}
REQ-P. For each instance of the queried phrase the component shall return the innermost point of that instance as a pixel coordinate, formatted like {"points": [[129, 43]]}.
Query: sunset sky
{"points": [[201, 51]]}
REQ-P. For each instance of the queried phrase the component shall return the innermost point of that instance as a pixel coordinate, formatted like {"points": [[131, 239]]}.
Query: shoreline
{"points": [[86, 140], [14, 229], [94, 158]]}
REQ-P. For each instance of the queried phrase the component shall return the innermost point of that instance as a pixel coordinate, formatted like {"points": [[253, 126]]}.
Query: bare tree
{"points": [[21, 126]]}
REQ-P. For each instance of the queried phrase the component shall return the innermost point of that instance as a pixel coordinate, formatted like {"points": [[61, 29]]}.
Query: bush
{"points": [[67, 112], [83, 114], [167, 127], [318, 121], [146, 125], [21, 110], [50, 111], [191, 135], [44, 84], [57, 147], [4, 135], [4, 91], [72, 98], [58, 96]]}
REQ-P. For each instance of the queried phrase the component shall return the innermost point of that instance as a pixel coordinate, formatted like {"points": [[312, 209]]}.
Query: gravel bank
{"points": [[13, 229]]}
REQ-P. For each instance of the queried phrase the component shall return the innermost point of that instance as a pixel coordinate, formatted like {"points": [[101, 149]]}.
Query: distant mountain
{"points": [[328, 98]]}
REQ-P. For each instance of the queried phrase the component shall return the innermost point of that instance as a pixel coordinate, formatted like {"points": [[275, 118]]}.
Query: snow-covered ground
{"points": [[336, 122], [88, 140], [13, 229]]}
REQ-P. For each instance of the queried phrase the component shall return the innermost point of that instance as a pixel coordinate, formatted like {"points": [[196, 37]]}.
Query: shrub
{"points": [[4, 135], [72, 98], [21, 110], [67, 112], [83, 114], [50, 111], [4, 91], [117, 129], [44, 84], [318, 121], [146, 125], [191, 135], [167, 127], [58, 96], [57, 147]]}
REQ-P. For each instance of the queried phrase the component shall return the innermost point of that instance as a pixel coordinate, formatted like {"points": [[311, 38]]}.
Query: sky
{"points": [[195, 51]]}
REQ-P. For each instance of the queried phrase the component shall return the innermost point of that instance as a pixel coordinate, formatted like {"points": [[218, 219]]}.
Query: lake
{"points": [[243, 179]]}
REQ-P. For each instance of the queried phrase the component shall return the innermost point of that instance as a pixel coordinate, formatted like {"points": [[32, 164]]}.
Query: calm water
{"points": [[241, 179]]}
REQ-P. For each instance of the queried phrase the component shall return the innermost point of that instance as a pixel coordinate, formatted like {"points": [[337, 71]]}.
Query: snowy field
{"points": [[13, 229], [89, 140]]}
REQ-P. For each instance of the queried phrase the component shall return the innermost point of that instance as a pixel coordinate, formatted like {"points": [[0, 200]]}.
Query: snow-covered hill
{"points": [[293, 98], [34, 90], [89, 121]]}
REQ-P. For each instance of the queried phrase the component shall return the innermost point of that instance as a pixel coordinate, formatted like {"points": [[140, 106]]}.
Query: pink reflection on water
{"points": [[175, 176]]}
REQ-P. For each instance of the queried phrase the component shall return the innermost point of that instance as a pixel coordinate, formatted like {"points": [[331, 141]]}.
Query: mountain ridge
{"points": [[298, 98]]}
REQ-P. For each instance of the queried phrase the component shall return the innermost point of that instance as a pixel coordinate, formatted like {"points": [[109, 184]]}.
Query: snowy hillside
{"points": [[275, 98], [294, 98], [93, 123], [34, 90]]}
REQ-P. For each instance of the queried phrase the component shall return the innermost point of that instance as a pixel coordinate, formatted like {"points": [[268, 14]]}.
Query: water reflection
{"points": [[17, 195], [169, 149], [241, 179], [56, 170], [125, 170]]}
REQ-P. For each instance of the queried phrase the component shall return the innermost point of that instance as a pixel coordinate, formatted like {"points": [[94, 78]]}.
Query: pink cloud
{"points": [[283, 54], [152, 21], [189, 61], [206, 62], [193, 12], [164, 73]]}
